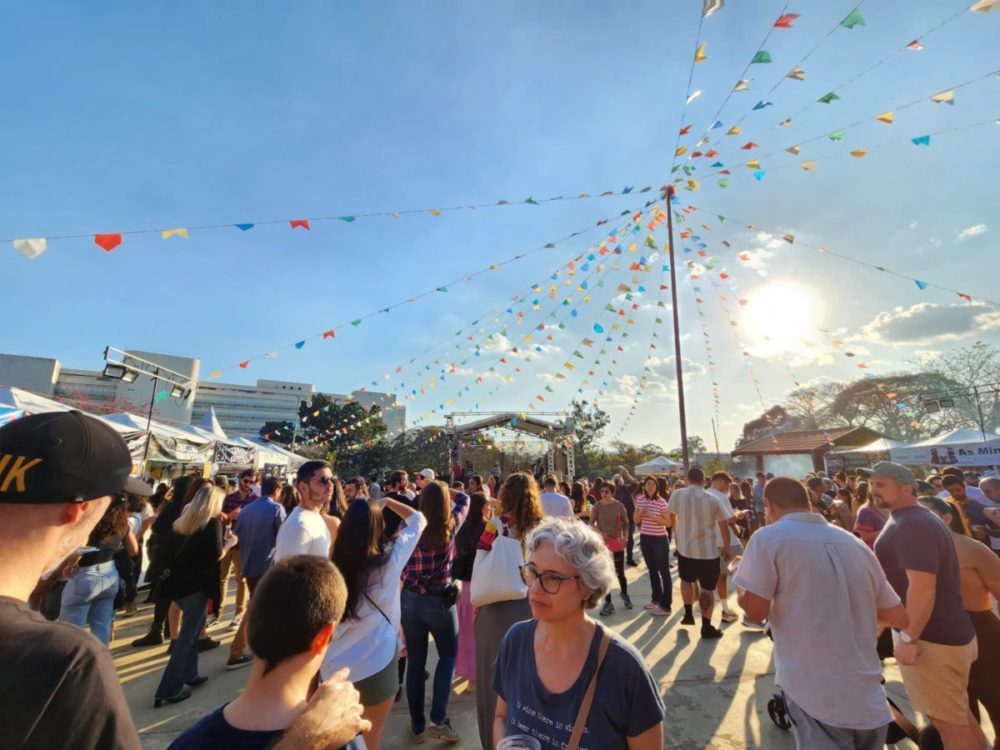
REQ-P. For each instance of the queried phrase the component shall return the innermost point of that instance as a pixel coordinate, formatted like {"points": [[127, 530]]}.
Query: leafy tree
{"points": [[589, 423], [695, 445], [811, 405], [278, 432], [419, 448], [977, 365], [776, 419]]}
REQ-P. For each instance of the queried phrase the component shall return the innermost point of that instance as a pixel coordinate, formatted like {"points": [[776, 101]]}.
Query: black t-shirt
{"points": [[195, 566], [215, 733], [105, 551], [623, 495], [58, 687], [389, 519], [915, 539]]}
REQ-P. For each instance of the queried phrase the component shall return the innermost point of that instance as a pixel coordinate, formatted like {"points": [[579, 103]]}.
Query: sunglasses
{"points": [[325, 480]]}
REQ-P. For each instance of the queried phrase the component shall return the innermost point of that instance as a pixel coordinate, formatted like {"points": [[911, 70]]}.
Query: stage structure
{"points": [[560, 455]]}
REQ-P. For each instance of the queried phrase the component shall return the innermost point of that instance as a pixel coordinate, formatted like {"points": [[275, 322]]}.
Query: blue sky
{"points": [[127, 117]]}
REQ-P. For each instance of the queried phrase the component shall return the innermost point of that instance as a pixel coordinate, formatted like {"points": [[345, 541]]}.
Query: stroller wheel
{"points": [[776, 710]]}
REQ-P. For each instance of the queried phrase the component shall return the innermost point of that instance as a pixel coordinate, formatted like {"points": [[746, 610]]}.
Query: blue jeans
{"points": [[89, 598], [656, 555], [183, 664], [423, 615]]}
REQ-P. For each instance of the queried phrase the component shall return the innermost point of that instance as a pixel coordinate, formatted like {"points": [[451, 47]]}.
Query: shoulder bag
{"points": [[588, 697], [496, 574]]}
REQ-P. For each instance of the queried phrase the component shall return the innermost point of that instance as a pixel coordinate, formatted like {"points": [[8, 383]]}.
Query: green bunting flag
{"points": [[854, 18], [762, 56]]}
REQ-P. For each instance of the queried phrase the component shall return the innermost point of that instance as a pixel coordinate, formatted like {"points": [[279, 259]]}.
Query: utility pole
{"points": [[677, 330]]}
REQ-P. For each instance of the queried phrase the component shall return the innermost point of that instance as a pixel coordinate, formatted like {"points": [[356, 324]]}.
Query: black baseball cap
{"points": [[63, 457]]}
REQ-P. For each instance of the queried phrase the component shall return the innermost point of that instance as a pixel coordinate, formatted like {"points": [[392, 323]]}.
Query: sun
{"points": [[781, 316]]}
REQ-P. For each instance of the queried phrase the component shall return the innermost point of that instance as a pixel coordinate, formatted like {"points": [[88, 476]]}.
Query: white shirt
{"points": [[974, 493], [824, 586], [556, 504], [733, 541], [698, 514], [304, 532], [367, 644]]}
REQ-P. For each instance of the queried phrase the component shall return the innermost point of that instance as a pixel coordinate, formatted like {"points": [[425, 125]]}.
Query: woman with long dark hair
{"points": [[466, 541], [520, 512], [192, 579], [581, 504], [979, 576], [365, 640], [89, 595], [428, 608]]}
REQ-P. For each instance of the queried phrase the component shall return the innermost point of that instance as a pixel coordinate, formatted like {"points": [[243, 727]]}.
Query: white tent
{"points": [[659, 465], [961, 447], [882, 445], [32, 403]]}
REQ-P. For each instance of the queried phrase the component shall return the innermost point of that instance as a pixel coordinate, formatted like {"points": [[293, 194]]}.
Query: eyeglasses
{"points": [[246, 481], [551, 582], [325, 480]]}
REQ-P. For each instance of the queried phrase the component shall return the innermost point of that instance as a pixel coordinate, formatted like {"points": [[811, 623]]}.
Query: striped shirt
{"points": [[698, 514], [651, 506]]}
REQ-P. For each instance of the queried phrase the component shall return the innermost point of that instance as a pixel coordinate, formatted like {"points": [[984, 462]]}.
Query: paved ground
{"points": [[715, 692]]}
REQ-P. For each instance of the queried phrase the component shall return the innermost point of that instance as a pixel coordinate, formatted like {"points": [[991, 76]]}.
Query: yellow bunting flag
{"points": [[434, 211], [699, 54], [793, 150], [753, 164], [984, 6], [944, 97], [809, 166], [180, 232], [681, 150], [796, 74], [859, 153], [693, 184], [215, 374], [885, 117], [734, 130]]}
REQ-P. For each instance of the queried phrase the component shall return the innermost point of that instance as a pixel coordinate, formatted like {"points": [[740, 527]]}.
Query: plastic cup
{"points": [[519, 742]]}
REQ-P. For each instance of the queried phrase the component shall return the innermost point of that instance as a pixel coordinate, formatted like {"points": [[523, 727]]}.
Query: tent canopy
{"points": [[960, 436], [659, 465], [882, 445]]}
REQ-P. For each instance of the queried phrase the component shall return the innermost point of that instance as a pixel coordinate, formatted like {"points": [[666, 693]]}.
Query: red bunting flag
{"points": [[749, 146], [107, 242], [304, 223], [785, 21], [245, 364], [966, 297], [915, 45], [685, 130], [331, 334]]}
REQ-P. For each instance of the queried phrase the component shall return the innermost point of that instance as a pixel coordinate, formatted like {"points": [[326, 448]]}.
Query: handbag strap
{"points": [[588, 698]]}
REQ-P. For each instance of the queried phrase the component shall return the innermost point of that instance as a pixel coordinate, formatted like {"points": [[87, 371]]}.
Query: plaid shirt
{"points": [[433, 567]]}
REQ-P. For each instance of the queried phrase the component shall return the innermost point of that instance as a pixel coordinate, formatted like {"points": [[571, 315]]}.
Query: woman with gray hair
{"points": [[561, 674]]}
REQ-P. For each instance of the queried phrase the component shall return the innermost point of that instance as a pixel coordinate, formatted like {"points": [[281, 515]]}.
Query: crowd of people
{"points": [[340, 587]]}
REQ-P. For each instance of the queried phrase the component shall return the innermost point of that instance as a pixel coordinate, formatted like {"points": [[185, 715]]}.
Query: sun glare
{"points": [[781, 316]]}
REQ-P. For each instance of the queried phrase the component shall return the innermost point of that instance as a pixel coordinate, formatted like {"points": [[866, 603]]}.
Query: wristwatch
{"points": [[905, 637]]}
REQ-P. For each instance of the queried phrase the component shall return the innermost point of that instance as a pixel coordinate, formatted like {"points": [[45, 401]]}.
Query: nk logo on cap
{"points": [[13, 470]]}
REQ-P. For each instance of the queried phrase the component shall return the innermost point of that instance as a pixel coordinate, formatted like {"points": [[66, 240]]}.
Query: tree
{"points": [[892, 405], [976, 366], [589, 423], [278, 432], [811, 404], [695, 445], [419, 448], [775, 419]]}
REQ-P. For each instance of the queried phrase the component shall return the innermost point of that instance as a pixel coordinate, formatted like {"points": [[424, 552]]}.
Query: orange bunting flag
{"points": [[859, 153], [785, 21], [331, 334], [245, 364], [304, 223], [885, 117], [107, 242]]}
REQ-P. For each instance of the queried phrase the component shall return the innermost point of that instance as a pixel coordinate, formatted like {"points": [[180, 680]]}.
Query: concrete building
{"points": [[240, 409]]}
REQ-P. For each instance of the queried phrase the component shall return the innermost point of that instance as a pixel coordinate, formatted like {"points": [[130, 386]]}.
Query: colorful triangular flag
{"points": [[827, 98], [762, 56], [854, 18], [885, 117], [31, 248]]}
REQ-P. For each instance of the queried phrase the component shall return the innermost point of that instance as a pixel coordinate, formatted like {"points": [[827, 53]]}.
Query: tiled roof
{"points": [[808, 440]]}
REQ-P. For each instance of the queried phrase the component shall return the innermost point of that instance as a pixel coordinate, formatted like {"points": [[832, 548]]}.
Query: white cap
{"points": [[427, 474]]}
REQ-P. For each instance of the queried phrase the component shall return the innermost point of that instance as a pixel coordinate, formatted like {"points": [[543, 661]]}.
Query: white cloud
{"points": [[973, 231], [927, 323]]}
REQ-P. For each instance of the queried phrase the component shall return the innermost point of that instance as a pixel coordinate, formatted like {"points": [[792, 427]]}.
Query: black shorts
{"points": [[705, 572]]}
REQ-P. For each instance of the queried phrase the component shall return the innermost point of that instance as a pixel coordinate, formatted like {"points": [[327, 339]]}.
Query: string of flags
{"points": [[33, 247]]}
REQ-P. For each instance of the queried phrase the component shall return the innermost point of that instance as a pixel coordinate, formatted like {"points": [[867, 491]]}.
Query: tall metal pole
{"points": [[149, 422], [677, 330], [979, 407]]}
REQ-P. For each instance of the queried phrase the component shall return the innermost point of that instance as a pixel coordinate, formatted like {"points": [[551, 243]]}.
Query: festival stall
{"points": [[850, 458], [659, 465], [961, 447]]}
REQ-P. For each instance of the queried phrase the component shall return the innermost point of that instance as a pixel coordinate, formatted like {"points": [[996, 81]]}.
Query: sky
{"points": [[127, 117]]}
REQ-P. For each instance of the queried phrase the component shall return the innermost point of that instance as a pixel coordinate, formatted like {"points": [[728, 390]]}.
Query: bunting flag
{"points": [[985, 6], [809, 166], [858, 153], [179, 232], [922, 140], [762, 56], [759, 175], [944, 97], [827, 98], [710, 6], [853, 19], [748, 146], [752, 164], [794, 150], [742, 85], [921, 285], [693, 96], [915, 45], [331, 334], [107, 242], [303, 223], [796, 74], [734, 130], [244, 227], [838, 135], [761, 105], [785, 21], [31, 248], [680, 151], [885, 117], [699, 53]]}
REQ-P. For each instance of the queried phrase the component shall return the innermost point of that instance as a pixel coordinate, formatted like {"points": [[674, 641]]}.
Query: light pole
{"points": [[127, 367], [937, 401]]}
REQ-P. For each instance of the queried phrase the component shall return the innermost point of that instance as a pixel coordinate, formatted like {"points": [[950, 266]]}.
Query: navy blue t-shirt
{"points": [[915, 539], [627, 701], [213, 732]]}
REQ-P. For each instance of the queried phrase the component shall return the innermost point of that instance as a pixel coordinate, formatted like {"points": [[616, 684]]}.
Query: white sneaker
{"points": [[657, 611], [748, 623], [651, 605], [729, 616]]}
